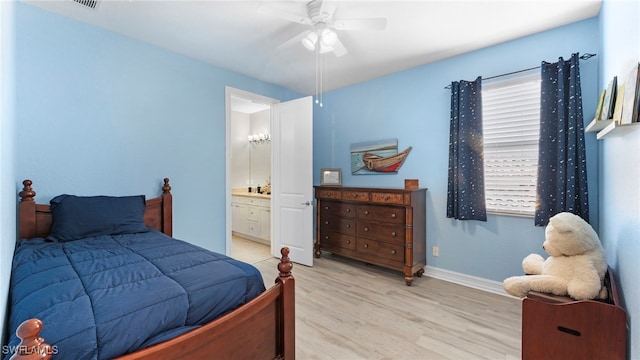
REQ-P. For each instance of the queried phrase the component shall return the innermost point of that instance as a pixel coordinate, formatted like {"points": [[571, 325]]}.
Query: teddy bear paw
{"points": [[516, 286], [532, 264]]}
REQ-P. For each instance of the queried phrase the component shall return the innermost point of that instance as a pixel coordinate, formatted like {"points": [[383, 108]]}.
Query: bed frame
{"points": [[264, 328]]}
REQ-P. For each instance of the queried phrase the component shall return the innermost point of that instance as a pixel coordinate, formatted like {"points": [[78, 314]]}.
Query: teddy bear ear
{"points": [[564, 222]]}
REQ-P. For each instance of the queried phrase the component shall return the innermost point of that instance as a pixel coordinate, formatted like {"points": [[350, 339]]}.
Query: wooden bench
{"points": [[558, 327]]}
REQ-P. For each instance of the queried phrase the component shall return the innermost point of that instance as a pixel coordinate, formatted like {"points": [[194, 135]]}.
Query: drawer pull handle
{"points": [[326, 222], [569, 331], [366, 229], [348, 226], [393, 252], [326, 208], [365, 246], [348, 241], [393, 233], [393, 216], [326, 237], [366, 212], [348, 210]]}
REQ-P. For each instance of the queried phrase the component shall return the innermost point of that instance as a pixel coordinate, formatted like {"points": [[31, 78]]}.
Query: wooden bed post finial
{"points": [[27, 193], [287, 342], [166, 188], [285, 264], [32, 346]]}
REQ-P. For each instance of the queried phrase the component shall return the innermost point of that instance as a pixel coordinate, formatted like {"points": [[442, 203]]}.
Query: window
{"points": [[511, 126]]}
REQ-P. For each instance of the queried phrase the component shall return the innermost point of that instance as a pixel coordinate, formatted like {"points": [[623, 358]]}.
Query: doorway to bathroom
{"points": [[290, 204], [249, 176]]}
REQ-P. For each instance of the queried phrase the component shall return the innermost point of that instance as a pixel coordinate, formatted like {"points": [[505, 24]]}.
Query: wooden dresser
{"points": [[380, 226]]}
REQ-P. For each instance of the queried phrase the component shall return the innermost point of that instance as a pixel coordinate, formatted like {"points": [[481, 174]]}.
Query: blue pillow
{"points": [[76, 217]]}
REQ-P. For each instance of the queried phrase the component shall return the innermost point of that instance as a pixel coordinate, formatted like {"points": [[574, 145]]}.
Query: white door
{"points": [[292, 179]]}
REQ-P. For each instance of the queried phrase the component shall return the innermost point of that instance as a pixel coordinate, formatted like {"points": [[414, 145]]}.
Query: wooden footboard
{"points": [[264, 328]]}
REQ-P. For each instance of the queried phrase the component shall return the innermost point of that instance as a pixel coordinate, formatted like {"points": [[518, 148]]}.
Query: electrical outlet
{"points": [[435, 251]]}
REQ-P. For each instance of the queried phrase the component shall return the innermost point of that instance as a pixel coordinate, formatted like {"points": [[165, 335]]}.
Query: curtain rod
{"points": [[586, 56]]}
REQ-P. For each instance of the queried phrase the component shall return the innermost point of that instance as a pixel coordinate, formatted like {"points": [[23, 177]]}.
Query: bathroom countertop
{"points": [[250, 194]]}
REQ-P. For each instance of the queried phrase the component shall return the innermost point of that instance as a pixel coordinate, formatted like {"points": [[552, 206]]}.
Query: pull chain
{"points": [[317, 69], [321, 78]]}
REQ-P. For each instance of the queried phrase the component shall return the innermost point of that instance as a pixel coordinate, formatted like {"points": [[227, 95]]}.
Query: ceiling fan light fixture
{"points": [[328, 37], [324, 48], [310, 40]]}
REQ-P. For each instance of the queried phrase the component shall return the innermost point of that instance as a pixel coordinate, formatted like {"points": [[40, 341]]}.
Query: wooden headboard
{"points": [[34, 220]]}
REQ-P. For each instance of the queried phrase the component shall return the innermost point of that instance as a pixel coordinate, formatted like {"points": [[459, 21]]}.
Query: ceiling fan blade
{"points": [[361, 24], [285, 15], [339, 49], [294, 40]]}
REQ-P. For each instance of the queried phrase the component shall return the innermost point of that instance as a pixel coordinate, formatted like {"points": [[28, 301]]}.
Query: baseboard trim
{"points": [[466, 280]]}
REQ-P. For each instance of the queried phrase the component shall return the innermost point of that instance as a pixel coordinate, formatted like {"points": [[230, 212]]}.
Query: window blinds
{"points": [[511, 127]]}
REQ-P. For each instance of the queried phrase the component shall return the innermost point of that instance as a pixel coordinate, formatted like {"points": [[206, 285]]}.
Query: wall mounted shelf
{"points": [[609, 128], [597, 125]]}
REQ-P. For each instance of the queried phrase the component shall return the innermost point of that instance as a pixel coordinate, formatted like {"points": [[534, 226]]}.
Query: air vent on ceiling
{"points": [[91, 4]]}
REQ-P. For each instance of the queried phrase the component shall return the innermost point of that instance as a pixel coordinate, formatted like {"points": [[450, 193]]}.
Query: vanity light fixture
{"points": [[259, 138]]}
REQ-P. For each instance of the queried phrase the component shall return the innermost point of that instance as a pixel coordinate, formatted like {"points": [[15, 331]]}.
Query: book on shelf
{"points": [[617, 109], [609, 99], [636, 104], [599, 107], [631, 100]]}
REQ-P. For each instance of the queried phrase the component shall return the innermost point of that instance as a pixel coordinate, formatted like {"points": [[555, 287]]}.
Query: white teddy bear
{"points": [[576, 265]]}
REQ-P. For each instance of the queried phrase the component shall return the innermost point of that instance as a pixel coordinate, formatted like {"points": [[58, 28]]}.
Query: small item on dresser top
{"points": [[411, 184], [249, 189], [258, 190]]}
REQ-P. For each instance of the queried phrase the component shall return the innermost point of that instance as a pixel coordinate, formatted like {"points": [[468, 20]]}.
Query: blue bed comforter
{"points": [[105, 296]]}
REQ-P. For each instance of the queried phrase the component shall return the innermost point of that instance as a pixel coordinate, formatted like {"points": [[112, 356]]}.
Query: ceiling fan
{"points": [[322, 36]]}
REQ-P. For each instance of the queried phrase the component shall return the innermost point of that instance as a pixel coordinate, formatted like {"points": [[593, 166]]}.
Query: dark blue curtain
{"points": [[465, 193], [562, 164]]}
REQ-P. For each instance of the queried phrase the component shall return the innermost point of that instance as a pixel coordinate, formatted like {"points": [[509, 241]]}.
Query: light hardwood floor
{"points": [[348, 310], [248, 250]]}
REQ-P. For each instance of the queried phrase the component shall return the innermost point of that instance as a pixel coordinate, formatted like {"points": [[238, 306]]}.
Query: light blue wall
{"points": [[124, 115], [414, 107], [102, 113], [7, 154], [620, 170]]}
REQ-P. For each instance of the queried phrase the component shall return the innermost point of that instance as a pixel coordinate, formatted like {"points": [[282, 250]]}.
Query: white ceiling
{"points": [[236, 36]]}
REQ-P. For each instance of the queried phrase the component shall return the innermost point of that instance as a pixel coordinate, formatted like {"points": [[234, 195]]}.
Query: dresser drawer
{"points": [[380, 231], [328, 194], [355, 195], [381, 252], [330, 208], [387, 198], [339, 225], [390, 214], [332, 240]]}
